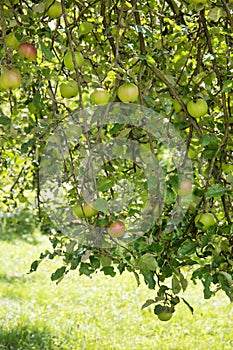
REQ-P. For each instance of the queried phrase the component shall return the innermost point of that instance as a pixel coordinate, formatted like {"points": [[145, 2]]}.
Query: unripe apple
{"points": [[116, 229], [11, 79], [88, 210], [12, 41], [85, 28], [68, 61], [53, 8], [128, 92], [28, 51], [100, 96], [197, 108], [185, 187], [69, 89], [206, 219]]}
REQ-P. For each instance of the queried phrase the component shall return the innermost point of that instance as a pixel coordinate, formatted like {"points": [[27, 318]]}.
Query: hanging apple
{"points": [[185, 187], [69, 89], [197, 108], [85, 28], [53, 8], [68, 60], [206, 219], [28, 51], [128, 92], [116, 229], [10, 79], [100, 96]]}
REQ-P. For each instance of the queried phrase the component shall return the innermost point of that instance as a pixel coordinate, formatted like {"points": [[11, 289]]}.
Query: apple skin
{"points": [[12, 41], [53, 8], [197, 108], [164, 316], [88, 210], [69, 62], [116, 229], [28, 51], [85, 28], [69, 89], [128, 92], [185, 187], [100, 96], [206, 219], [11, 79]]}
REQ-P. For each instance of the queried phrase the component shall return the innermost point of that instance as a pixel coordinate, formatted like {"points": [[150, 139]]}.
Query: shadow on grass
{"points": [[18, 225], [28, 337]]}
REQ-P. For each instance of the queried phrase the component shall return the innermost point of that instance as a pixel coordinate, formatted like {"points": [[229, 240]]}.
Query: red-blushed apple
{"points": [[185, 187], [68, 60], [116, 229], [100, 96], [10, 79], [28, 51], [128, 92]]}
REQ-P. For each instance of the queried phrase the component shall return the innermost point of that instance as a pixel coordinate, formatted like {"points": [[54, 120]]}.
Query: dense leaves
{"points": [[173, 51]]}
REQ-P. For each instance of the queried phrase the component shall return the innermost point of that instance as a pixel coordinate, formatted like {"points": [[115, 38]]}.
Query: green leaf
{"points": [[101, 205], [85, 269], [108, 270], [187, 248], [183, 281], [148, 303], [58, 273], [216, 191], [176, 287], [46, 51], [34, 266], [147, 262], [4, 120], [149, 278], [207, 139], [105, 184]]}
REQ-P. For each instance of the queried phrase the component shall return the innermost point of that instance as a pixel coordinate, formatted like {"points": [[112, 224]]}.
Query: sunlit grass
{"points": [[98, 313]]}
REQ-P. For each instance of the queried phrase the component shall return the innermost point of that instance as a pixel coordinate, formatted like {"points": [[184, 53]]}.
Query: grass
{"points": [[101, 313]]}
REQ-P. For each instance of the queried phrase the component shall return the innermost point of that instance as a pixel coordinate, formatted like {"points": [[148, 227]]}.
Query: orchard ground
{"points": [[99, 313]]}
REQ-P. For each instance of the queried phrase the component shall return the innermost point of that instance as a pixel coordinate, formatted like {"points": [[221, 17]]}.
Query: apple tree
{"points": [[116, 132]]}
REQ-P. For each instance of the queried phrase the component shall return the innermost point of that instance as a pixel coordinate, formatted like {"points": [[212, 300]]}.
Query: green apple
{"points": [[164, 316], [69, 89], [85, 28], [116, 229], [28, 51], [185, 187], [197, 108], [53, 8], [177, 106], [206, 219], [100, 96], [68, 61], [10, 79], [128, 92], [12, 41], [88, 210]]}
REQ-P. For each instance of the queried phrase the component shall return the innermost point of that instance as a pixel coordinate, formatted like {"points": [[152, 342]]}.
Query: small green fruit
{"points": [[53, 8], [128, 92], [69, 89], [197, 108], [100, 96], [11, 79], [85, 28], [164, 316], [68, 61], [206, 219]]}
